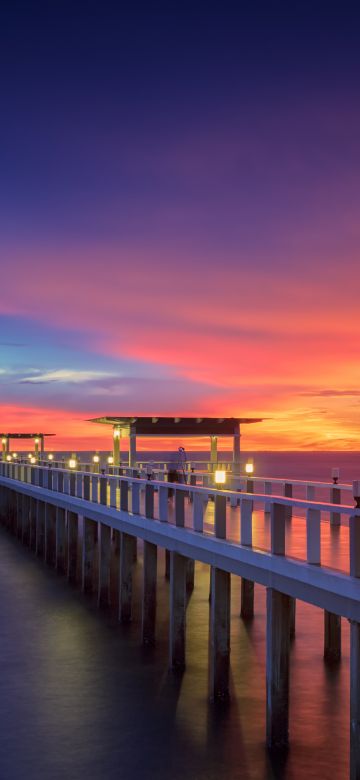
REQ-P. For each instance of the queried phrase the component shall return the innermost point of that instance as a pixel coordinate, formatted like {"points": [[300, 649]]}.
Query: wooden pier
{"points": [[89, 522]]}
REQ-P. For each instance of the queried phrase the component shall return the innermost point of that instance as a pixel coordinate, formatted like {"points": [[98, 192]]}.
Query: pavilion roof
{"points": [[172, 426]]}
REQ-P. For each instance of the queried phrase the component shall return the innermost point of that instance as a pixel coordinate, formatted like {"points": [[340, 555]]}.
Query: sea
{"points": [[81, 699]]}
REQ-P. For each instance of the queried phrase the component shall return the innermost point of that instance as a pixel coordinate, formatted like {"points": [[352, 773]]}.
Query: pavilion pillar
{"points": [[116, 445], [5, 447], [42, 440], [236, 449], [132, 449], [213, 450]]}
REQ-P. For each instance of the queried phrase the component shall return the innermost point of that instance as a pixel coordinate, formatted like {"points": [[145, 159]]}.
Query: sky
{"points": [[179, 231]]}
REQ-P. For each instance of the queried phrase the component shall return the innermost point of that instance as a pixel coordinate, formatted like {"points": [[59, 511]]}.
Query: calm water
{"points": [[80, 698]]}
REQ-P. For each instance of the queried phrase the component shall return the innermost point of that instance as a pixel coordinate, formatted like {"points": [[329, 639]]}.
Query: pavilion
{"points": [[38, 438], [176, 427]]}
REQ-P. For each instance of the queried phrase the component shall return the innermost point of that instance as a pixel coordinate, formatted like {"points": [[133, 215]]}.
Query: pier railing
{"points": [[56, 510]]}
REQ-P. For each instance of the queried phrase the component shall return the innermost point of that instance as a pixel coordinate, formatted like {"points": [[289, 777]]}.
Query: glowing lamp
{"points": [[96, 459], [110, 460], [36, 441], [72, 463], [8, 457], [14, 455], [335, 474], [29, 455], [220, 477], [249, 467], [116, 433], [3, 441], [50, 456], [32, 460]]}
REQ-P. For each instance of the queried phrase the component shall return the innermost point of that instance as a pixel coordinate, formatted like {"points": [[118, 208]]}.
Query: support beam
{"points": [[178, 564], [25, 518], [247, 599], [60, 556], [50, 534], [33, 508], [278, 610], [72, 546], [354, 700], [104, 565], [332, 637], [115, 569], [149, 593], [125, 588], [219, 634], [88, 555], [40, 529]]}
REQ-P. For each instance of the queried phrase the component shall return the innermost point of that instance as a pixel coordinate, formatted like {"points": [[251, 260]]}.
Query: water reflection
{"points": [[81, 698]]}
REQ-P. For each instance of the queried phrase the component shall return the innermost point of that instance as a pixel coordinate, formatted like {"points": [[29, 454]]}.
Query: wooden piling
{"points": [[278, 609], [149, 593], [219, 634], [178, 564], [25, 520], [354, 700], [247, 599], [72, 546], [125, 577], [40, 529], [50, 534], [115, 569], [60, 555], [332, 637], [104, 565], [88, 555]]}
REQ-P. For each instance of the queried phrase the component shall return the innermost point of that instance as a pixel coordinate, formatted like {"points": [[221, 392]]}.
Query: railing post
{"points": [[95, 488], [335, 498], [113, 493], [220, 516], [246, 510], [87, 487], [179, 508], [277, 528], [313, 536], [135, 498], [288, 492], [163, 504], [198, 512], [268, 492], [103, 490], [79, 485]]}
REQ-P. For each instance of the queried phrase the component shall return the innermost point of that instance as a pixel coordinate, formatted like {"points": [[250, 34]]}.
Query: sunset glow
{"points": [[182, 252]]}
